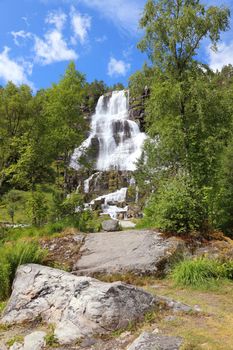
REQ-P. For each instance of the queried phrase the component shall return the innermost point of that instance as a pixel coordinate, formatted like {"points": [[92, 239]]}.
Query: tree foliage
{"points": [[189, 116]]}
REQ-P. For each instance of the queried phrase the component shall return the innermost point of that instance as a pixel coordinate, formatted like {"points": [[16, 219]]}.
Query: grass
{"points": [[50, 337], [15, 339], [18, 200], [13, 255], [201, 272], [211, 329]]}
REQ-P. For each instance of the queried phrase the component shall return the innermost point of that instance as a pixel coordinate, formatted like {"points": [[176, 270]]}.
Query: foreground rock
{"points": [[110, 225], [140, 252], [150, 341], [33, 341], [77, 306]]}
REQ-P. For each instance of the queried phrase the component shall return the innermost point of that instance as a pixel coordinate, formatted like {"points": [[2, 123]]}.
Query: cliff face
{"points": [[137, 108]]}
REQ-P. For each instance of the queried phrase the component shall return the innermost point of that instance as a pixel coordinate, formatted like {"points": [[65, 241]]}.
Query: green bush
{"points": [[200, 272], [89, 222], [176, 207], [13, 255]]}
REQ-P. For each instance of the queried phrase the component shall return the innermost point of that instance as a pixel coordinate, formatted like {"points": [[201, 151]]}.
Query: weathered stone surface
{"points": [[78, 306], [34, 341], [174, 305], [140, 252], [216, 249], [110, 225], [127, 224], [16, 346], [150, 341]]}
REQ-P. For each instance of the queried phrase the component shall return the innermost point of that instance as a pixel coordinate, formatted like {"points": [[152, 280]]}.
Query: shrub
{"points": [[88, 221], [200, 271], [177, 206]]}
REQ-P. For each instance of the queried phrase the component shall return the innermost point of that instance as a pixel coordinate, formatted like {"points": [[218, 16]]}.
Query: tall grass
{"points": [[13, 255], [201, 272], [4, 279]]}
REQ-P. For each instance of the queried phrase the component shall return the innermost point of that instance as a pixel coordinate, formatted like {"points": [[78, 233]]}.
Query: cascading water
{"points": [[118, 139]]}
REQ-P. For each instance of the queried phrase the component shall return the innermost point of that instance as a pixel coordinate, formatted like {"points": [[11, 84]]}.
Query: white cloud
{"points": [[117, 67], [125, 14], [14, 71], [101, 39], [21, 34], [58, 19], [53, 47], [222, 57], [25, 19], [81, 24]]}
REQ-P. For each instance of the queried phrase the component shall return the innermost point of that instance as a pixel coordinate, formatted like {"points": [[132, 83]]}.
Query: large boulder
{"points": [[150, 341], [140, 252], [77, 306], [110, 225]]}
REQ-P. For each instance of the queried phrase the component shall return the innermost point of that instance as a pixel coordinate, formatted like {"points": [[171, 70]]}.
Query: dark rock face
{"points": [[137, 108], [150, 341], [121, 127]]}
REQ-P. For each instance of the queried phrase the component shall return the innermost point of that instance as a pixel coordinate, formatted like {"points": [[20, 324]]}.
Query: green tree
{"points": [[188, 118], [37, 208], [63, 111], [174, 30], [15, 116], [93, 91]]}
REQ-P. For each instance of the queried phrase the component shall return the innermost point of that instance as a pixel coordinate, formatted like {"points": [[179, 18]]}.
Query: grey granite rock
{"points": [[110, 225], [141, 252], [150, 341], [34, 341], [16, 346], [78, 306]]}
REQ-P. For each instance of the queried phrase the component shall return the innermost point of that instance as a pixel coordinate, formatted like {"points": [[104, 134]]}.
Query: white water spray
{"points": [[119, 139]]}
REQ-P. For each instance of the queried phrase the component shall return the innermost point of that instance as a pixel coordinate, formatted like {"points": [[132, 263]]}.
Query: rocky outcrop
{"points": [[150, 341], [137, 108], [140, 252], [77, 306]]}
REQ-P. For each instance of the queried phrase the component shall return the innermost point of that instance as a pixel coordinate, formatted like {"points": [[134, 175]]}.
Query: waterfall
{"points": [[108, 207], [87, 181], [118, 140]]}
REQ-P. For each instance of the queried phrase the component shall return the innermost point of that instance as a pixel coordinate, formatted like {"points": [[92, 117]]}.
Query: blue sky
{"points": [[38, 38]]}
